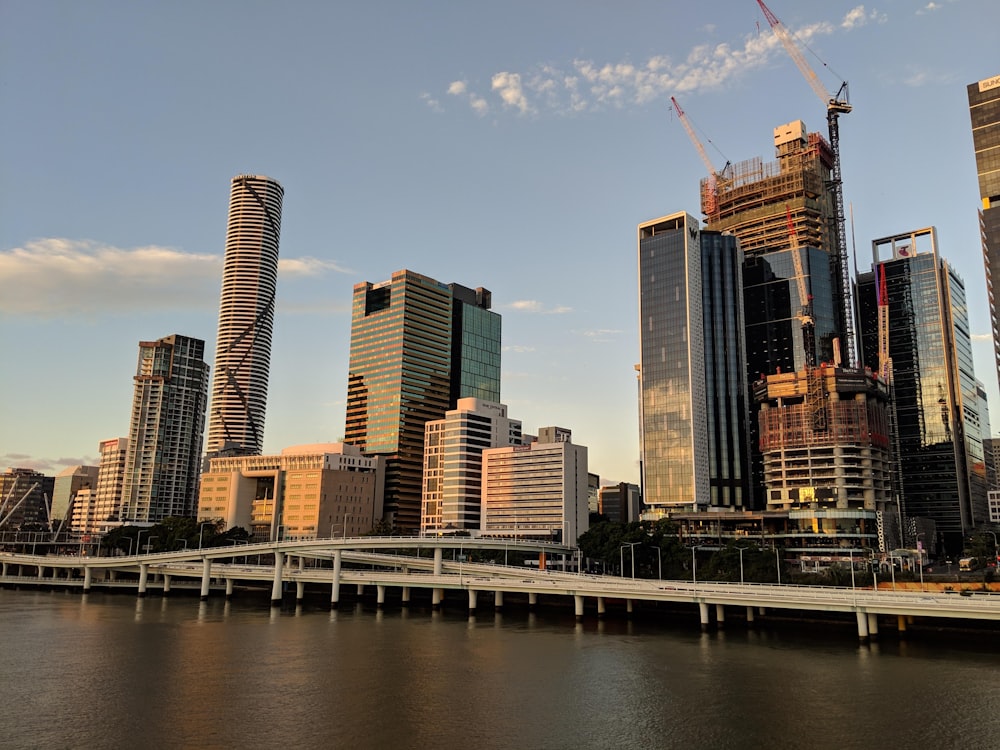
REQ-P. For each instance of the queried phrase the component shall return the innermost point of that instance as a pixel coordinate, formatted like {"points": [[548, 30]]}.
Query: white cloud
{"points": [[47, 466], [534, 306], [981, 336], [929, 8], [519, 349], [56, 276], [431, 102], [585, 85], [602, 335]]}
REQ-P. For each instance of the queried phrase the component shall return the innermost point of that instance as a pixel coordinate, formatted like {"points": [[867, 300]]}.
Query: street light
{"points": [[149, 542], [659, 563], [920, 551], [741, 563], [201, 530], [138, 536], [621, 554]]}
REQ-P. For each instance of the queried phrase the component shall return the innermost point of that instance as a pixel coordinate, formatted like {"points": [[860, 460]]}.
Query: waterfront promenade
{"points": [[438, 564]]}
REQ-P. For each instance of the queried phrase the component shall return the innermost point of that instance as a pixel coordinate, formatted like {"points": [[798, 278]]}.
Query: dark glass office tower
{"points": [[984, 111], [939, 445], [414, 341], [693, 416]]}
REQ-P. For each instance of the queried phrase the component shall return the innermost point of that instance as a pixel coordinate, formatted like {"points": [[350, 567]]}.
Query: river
{"points": [[113, 671]]}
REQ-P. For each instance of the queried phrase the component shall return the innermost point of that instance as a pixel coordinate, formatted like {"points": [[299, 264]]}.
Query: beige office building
{"points": [[307, 492]]}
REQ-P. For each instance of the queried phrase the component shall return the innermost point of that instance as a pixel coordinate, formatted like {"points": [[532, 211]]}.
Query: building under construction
{"points": [[824, 437]]}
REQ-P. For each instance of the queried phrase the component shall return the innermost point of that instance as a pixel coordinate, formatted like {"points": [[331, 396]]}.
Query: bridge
{"points": [[399, 562]]}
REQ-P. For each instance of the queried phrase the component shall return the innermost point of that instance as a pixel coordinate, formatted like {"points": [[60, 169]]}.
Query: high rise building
{"points": [[110, 480], [984, 111], [246, 315], [938, 441], [538, 490], [67, 483], [417, 346], [165, 438], [693, 391], [453, 462], [620, 503], [25, 498]]}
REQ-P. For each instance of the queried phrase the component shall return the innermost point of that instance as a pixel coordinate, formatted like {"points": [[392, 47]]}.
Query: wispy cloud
{"points": [[585, 85], [48, 466], [929, 8], [519, 349], [56, 276], [534, 306], [602, 335]]}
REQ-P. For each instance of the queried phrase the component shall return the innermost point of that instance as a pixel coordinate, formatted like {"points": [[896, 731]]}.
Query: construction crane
{"points": [[711, 198], [814, 378], [836, 105]]}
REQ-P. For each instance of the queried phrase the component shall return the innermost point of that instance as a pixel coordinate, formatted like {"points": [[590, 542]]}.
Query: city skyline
{"points": [[458, 155]]}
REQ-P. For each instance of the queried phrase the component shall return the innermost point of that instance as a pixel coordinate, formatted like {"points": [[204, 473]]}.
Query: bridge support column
{"points": [[300, 591], [472, 601], [380, 596], [338, 557], [600, 607], [750, 614], [629, 606], [578, 606], [166, 584], [703, 612], [279, 564], [873, 626], [438, 558], [206, 577], [436, 596], [862, 627], [761, 611], [87, 577], [360, 590], [901, 623], [4, 569], [406, 596], [720, 616], [532, 601], [41, 572], [143, 578], [230, 583], [497, 601]]}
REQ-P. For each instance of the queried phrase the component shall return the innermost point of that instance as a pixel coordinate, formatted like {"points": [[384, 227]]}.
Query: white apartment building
{"points": [[453, 460], [538, 490], [307, 492]]}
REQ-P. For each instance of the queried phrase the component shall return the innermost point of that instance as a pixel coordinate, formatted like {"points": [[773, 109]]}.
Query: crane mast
{"points": [[835, 106], [711, 196]]}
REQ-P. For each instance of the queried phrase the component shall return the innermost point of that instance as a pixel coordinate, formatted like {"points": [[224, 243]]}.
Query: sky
{"points": [[514, 146]]}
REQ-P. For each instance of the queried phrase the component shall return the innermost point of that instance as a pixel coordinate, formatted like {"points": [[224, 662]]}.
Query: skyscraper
{"points": [[246, 315], [409, 364], [693, 391], [163, 453], [938, 443], [984, 111]]}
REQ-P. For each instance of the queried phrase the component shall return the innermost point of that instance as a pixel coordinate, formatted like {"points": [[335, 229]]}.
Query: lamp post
{"points": [[185, 543], [659, 563], [138, 536], [149, 542], [741, 563], [201, 531], [920, 552], [621, 553]]}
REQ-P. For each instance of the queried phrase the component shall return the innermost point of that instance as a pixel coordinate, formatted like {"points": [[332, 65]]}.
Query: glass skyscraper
{"points": [[938, 442], [246, 317], [984, 111], [693, 415], [417, 346]]}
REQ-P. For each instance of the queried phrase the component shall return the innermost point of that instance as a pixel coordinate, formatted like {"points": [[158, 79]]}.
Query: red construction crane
{"points": [[711, 203], [836, 105]]}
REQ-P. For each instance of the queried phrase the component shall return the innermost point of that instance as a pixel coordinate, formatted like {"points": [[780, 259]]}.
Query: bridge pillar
{"points": [[230, 584], [873, 625], [703, 612], [862, 627], [143, 578], [279, 564], [360, 590], [4, 569], [578, 607], [406, 596], [302, 563], [472, 601], [750, 614], [300, 591], [166, 584], [436, 596], [41, 571], [761, 611], [335, 587], [629, 606], [206, 577], [112, 574], [438, 560], [532, 600], [901, 623], [600, 607], [497, 601], [380, 596], [87, 577], [720, 615]]}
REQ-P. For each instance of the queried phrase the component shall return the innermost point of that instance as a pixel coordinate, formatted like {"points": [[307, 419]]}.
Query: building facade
{"points": [[538, 490], [246, 316], [25, 500], [110, 480], [453, 463], [162, 458], [984, 112], [404, 348], [307, 492], [938, 441], [692, 370], [620, 503], [68, 483]]}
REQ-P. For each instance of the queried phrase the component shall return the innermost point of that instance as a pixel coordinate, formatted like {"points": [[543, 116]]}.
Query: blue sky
{"points": [[510, 145]]}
